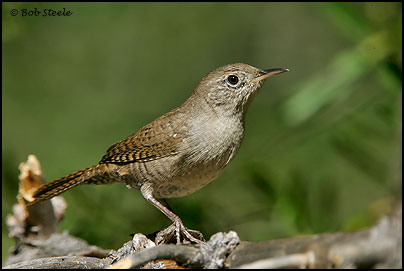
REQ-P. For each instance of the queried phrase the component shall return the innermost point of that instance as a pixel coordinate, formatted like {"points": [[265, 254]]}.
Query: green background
{"points": [[322, 148]]}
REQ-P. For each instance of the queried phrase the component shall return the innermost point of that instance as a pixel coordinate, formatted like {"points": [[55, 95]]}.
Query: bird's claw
{"points": [[177, 231]]}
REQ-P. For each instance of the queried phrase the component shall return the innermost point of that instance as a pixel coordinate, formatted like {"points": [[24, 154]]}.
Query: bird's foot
{"points": [[178, 233]]}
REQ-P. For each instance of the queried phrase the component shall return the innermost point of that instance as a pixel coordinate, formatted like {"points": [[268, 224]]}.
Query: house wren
{"points": [[181, 151]]}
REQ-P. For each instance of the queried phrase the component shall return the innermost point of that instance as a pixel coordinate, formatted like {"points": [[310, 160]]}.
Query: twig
{"points": [[302, 260], [181, 254]]}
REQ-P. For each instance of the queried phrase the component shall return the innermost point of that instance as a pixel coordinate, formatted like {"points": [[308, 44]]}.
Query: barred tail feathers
{"points": [[88, 175]]}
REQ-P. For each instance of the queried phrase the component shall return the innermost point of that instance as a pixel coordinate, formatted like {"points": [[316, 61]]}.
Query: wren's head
{"points": [[230, 88]]}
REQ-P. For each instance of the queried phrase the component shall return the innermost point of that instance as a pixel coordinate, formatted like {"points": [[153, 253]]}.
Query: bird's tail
{"points": [[92, 175]]}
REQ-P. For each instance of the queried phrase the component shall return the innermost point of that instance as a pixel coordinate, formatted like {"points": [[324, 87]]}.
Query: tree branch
{"points": [[64, 262]]}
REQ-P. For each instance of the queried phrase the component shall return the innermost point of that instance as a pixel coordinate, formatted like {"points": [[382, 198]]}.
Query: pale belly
{"points": [[166, 182], [185, 185]]}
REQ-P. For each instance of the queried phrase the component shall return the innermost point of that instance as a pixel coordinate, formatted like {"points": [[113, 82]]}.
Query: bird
{"points": [[181, 151]]}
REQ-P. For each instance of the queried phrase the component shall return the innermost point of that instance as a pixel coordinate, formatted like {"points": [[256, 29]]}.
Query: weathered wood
{"points": [[63, 262], [181, 254], [360, 249]]}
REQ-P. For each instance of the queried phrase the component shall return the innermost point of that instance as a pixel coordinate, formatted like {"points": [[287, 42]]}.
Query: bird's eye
{"points": [[233, 79]]}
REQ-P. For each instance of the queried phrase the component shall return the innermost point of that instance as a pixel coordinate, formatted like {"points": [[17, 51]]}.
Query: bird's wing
{"points": [[158, 139]]}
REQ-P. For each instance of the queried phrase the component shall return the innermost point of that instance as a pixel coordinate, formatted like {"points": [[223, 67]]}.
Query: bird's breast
{"points": [[214, 141], [207, 150]]}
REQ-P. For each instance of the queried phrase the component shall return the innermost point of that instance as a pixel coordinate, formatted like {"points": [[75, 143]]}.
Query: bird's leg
{"points": [[165, 234], [165, 203], [147, 192]]}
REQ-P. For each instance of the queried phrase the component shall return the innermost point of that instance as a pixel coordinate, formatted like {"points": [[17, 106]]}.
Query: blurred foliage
{"points": [[322, 150]]}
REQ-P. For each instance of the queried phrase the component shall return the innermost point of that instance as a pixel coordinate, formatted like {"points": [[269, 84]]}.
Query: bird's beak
{"points": [[264, 74]]}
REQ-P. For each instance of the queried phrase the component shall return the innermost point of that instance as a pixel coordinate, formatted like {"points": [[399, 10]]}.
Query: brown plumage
{"points": [[181, 151], [153, 141], [91, 175]]}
